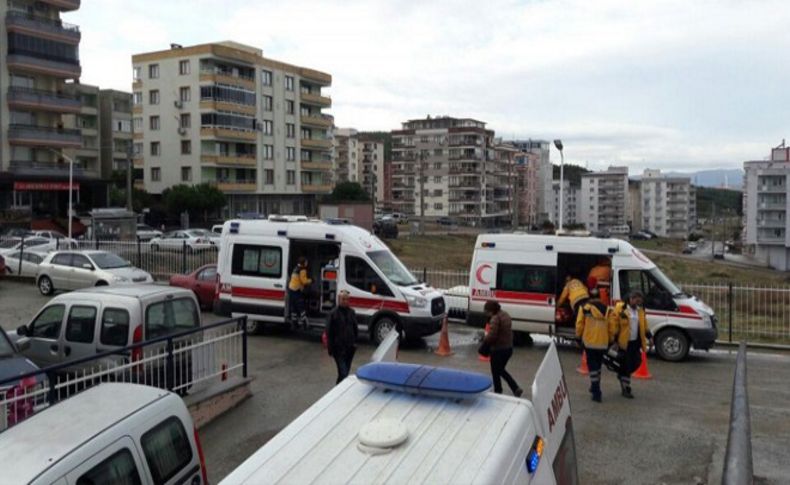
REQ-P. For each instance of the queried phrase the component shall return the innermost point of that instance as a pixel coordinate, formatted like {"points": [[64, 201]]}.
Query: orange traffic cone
{"points": [[444, 341], [485, 358], [582, 369], [643, 372]]}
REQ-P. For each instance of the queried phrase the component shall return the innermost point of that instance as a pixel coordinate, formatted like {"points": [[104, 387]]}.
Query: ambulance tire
{"points": [[672, 344], [381, 328]]}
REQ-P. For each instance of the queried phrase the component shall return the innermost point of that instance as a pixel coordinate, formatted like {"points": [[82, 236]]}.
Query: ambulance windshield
{"points": [[666, 283], [393, 269]]}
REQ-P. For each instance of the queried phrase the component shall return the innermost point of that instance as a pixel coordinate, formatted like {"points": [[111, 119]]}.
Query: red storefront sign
{"points": [[45, 186]]}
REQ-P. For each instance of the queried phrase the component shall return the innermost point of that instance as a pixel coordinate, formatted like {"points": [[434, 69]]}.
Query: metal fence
{"points": [[441, 278], [185, 362], [738, 466]]}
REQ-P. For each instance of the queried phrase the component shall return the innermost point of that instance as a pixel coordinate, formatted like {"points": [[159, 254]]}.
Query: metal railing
{"points": [[184, 362], [738, 466]]}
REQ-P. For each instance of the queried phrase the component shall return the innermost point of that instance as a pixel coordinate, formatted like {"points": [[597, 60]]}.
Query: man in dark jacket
{"points": [[341, 335]]}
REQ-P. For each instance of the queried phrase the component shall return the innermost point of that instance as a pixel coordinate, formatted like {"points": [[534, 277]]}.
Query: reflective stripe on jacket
{"points": [[620, 324]]}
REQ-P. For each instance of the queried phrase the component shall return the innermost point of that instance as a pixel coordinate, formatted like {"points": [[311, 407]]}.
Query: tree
{"points": [[209, 199], [200, 199], [349, 192]]}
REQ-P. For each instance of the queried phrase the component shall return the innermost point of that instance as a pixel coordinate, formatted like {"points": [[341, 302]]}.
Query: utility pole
{"points": [[129, 178], [713, 234], [422, 195]]}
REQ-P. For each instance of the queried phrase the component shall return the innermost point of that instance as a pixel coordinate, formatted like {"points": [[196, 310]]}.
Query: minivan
{"points": [[110, 433], [94, 320]]}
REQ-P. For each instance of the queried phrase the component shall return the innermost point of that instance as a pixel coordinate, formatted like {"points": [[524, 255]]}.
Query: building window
{"points": [[290, 154], [437, 179], [137, 124], [153, 96], [268, 176], [289, 83], [186, 120], [266, 77], [289, 107], [290, 130], [136, 74], [184, 94], [290, 177], [156, 174], [437, 166], [268, 102], [268, 152], [137, 98], [268, 127], [183, 67], [153, 71], [305, 155], [438, 206], [155, 149], [186, 147], [153, 123], [137, 149], [186, 174]]}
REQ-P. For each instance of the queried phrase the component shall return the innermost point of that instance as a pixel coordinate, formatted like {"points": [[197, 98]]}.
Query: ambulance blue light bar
{"points": [[534, 455], [488, 245], [234, 227], [424, 379]]}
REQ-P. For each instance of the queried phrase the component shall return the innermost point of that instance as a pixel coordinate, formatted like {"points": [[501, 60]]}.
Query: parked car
{"points": [[16, 232], [386, 228], [400, 217], [95, 320], [639, 236], [691, 245], [687, 250], [13, 245], [193, 241], [30, 262], [444, 221], [72, 270], [213, 237], [217, 229], [146, 232], [111, 433], [57, 239], [202, 281], [12, 365]]}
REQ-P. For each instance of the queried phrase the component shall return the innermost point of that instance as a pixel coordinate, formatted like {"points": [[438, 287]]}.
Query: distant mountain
{"points": [[731, 178]]}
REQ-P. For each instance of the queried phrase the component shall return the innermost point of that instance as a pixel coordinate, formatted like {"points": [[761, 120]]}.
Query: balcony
{"points": [[25, 23], [229, 160], [470, 141], [316, 188], [773, 188], [320, 165], [227, 78], [214, 105], [41, 100], [320, 120], [227, 133], [316, 143], [315, 99], [772, 206], [777, 223], [238, 186], [29, 135], [64, 5], [43, 169], [46, 64]]}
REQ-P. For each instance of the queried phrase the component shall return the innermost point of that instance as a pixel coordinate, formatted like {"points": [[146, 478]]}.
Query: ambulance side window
{"points": [[360, 275], [524, 278], [263, 261], [655, 296]]}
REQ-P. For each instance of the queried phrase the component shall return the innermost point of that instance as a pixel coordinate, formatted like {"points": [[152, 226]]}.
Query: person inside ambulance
{"points": [[593, 329], [628, 325], [574, 292], [296, 289], [601, 275]]}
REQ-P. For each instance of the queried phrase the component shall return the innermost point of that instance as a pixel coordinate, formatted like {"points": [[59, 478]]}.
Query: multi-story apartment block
{"points": [[87, 158], [345, 160], [453, 162], [635, 205], [370, 159], [527, 192], [669, 204], [765, 204], [604, 199], [223, 114], [116, 129], [571, 203], [540, 177], [39, 54]]}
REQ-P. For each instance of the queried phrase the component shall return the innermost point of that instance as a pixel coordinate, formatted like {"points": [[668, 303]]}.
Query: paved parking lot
{"points": [[674, 432]]}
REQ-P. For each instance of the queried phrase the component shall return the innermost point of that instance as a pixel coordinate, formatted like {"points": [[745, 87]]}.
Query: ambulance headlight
{"points": [[707, 320], [416, 301]]}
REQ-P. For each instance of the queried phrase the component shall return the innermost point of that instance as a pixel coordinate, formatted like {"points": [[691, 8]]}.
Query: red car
{"points": [[202, 281]]}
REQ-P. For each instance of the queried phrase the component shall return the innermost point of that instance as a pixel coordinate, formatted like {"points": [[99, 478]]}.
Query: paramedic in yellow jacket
{"points": [[628, 324], [593, 328], [296, 287], [574, 292]]}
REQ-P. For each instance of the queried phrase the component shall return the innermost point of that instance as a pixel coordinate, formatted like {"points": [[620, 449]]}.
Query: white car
{"points": [[30, 261], [57, 239], [14, 245], [213, 237], [146, 232], [193, 239], [72, 270]]}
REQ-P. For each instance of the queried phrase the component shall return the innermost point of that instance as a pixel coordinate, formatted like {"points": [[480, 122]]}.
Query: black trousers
{"points": [[499, 360], [343, 360], [632, 359], [594, 362]]}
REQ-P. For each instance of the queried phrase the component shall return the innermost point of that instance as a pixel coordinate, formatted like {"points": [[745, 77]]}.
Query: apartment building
{"points": [[635, 205], [370, 159], [604, 199], [669, 204], [526, 197], [87, 158], [116, 129], [345, 155], [39, 53], [451, 166], [539, 173], [765, 204], [571, 203], [224, 114]]}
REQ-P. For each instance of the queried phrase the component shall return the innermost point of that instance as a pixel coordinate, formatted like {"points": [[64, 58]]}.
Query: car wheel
{"points": [[381, 328], [45, 286], [672, 345], [101, 283]]}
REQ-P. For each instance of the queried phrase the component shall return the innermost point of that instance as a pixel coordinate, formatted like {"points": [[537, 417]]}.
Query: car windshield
{"points": [[6, 349], [392, 268], [666, 282], [109, 261]]}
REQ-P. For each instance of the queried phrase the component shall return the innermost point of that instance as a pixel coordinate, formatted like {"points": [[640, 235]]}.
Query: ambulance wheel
{"points": [[381, 328], [672, 344]]}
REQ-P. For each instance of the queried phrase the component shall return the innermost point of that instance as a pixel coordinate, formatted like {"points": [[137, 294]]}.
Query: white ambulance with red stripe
{"points": [[526, 274], [257, 257]]}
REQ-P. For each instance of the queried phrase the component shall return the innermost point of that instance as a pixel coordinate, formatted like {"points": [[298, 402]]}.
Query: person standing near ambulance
{"points": [[341, 335], [593, 329], [574, 292], [296, 288], [500, 341], [628, 324], [600, 276]]}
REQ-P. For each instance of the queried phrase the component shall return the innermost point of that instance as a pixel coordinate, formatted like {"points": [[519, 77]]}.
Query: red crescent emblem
{"points": [[479, 273]]}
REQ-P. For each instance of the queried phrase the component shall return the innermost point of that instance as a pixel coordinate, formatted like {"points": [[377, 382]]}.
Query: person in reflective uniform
{"points": [[600, 276], [296, 287], [628, 324], [574, 292], [593, 329]]}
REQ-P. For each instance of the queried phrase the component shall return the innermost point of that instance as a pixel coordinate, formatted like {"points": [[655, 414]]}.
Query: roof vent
{"points": [[382, 436]]}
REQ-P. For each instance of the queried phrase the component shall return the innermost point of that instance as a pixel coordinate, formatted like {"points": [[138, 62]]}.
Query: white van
{"points": [[111, 433], [526, 274], [256, 259], [365, 431]]}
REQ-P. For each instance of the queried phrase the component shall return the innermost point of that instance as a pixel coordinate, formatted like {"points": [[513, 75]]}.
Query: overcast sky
{"points": [[671, 84]]}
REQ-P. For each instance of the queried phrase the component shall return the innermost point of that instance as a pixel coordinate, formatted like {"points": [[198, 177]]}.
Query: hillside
{"points": [[573, 173], [726, 201]]}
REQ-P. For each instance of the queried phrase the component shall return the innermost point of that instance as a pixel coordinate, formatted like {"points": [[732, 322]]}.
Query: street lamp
{"points": [[558, 144]]}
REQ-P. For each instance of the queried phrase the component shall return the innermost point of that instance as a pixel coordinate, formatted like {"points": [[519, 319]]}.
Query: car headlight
{"points": [[416, 301], [120, 279]]}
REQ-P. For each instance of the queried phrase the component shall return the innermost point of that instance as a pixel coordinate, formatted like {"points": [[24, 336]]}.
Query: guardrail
{"points": [[738, 457], [183, 362]]}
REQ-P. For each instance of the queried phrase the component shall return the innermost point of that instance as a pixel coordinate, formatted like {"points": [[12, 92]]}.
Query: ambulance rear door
{"points": [[259, 277], [526, 287]]}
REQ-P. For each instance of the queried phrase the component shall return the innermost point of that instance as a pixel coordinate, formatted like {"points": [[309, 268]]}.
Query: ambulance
{"points": [[397, 423], [526, 275], [256, 259]]}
